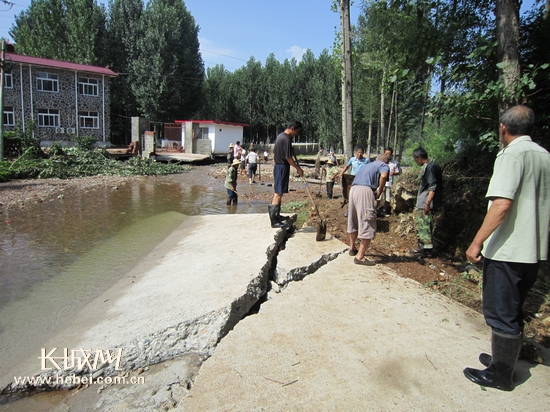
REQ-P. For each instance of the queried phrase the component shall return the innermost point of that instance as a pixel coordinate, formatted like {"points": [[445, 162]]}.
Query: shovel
{"points": [[238, 195], [322, 225]]}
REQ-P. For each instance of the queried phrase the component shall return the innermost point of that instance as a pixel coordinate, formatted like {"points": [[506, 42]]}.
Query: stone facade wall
{"points": [[65, 100]]}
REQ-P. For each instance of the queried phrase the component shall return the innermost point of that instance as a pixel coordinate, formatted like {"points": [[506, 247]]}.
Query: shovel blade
{"points": [[321, 231]]}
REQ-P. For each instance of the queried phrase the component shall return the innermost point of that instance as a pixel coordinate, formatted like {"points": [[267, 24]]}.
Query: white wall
{"points": [[223, 134]]}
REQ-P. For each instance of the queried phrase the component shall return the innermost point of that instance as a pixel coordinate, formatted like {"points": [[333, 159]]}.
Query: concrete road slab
{"points": [[182, 297], [351, 337]]}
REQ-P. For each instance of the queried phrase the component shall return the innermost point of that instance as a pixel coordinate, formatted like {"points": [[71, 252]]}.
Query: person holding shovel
{"points": [[231, 182], [281, 171]]}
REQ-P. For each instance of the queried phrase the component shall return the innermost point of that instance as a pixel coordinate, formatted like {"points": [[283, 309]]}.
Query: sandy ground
{"points": [[18, 194]]}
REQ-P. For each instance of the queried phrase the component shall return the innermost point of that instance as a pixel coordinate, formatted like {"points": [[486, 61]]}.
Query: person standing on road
{"points": [[252, 160], [394, 171], [429, 200], [367, 186], [281, 171], [514, 239]]}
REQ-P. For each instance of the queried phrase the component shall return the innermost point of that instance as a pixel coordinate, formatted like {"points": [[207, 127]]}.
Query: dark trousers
{"points": [[505, 287], [330, 186]]}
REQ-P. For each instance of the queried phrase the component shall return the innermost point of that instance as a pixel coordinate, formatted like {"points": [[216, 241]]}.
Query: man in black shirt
{"points": [[429, 199], [281, 171]]}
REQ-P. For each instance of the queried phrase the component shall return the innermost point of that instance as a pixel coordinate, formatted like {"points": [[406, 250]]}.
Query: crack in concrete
{"points": [[198, 336]]}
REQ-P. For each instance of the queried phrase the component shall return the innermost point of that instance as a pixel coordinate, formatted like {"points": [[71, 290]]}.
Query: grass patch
{"points": [[293, 206]]}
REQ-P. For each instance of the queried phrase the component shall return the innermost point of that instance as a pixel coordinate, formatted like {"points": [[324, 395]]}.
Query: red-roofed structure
{"points": [[58, 99], [58, 64], [208, 137]]}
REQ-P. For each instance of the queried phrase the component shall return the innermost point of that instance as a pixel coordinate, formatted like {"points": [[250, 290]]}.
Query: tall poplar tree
{"points": [[169, 70], [69, 30]]}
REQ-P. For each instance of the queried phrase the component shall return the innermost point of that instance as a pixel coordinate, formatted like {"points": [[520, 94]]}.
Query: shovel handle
{"points": [[307, 188], [244, 200]]}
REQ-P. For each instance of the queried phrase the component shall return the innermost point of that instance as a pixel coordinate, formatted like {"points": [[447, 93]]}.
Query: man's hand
{"points": [[473, 254], [427, 209], [300, 171]]}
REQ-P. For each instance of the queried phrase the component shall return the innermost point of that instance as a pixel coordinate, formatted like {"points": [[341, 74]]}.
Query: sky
{"points": [[232, 31]]}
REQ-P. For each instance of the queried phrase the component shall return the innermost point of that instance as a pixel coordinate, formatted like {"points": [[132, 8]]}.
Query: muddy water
{"points": [[57, 256]]}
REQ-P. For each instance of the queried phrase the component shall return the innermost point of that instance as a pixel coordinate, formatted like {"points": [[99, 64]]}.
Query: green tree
{"points": [[169, 70], [69, 30]]}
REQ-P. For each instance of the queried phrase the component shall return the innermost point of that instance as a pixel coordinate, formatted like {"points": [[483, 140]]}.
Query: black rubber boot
{"points": [[274, 216], [228, 203], [235, 201], [485, 359], [282, 218], [499, 374]]}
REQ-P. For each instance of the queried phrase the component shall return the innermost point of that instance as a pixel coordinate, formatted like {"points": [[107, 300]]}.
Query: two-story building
{"points": [[58, 99]]}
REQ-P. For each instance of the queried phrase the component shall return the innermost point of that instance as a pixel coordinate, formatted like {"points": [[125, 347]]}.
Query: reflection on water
{"points": [[57, 256]]}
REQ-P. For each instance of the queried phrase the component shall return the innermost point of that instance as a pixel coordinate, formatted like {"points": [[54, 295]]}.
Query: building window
{"points": [[47, 82], [8, 81], [87, 86], [203, 133], [48, 117], [89, 120], [9, 117]]}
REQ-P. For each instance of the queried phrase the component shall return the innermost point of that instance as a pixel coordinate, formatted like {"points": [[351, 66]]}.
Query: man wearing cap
{"points": [[230, 155], [281, 171], [331, 172], [231, 182]]}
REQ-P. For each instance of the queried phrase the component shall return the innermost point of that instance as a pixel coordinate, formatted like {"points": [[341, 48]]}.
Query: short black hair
{"points": [[360, 148], [519, 120], [420, 152], [389, 148], [294, 123]]}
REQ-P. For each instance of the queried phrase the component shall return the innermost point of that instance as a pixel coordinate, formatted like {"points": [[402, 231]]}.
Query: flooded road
{"points": [[57, 256]]}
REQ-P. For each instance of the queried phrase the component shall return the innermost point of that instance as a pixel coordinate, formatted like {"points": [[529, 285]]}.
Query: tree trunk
{"points": [[396, 118], [382, 131], [347, 107], [507, 31], [425, 103], [369, 141], [391, 115]]}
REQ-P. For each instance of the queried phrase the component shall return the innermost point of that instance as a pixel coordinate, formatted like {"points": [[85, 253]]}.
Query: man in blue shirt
{"points": [[366, 188], [356, 162]]}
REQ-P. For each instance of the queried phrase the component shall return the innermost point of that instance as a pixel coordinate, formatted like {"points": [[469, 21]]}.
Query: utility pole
{"points": [[347, 107], [2, 79]]}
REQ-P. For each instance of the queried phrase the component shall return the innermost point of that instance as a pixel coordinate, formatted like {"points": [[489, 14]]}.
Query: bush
{"points": [[75, 162]]}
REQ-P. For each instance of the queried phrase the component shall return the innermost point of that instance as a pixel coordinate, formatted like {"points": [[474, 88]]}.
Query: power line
{"points": [[8, 3], [225, 55]]}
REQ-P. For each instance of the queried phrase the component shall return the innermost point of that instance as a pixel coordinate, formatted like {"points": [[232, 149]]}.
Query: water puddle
{"points": [[57, 256]]}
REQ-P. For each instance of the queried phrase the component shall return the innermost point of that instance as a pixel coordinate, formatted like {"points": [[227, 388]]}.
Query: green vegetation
{"points": [[76, 162], [293, 206]]}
